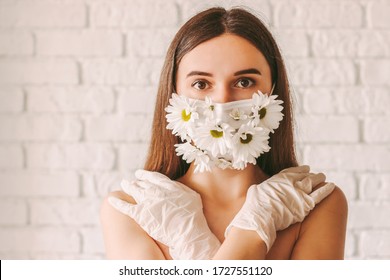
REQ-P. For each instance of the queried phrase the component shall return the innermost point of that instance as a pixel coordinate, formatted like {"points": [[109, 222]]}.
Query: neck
{"points": [[233, 184]]}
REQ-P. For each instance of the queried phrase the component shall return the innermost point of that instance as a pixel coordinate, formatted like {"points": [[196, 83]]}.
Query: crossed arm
{"points": [[125, 239], [321, 235]]}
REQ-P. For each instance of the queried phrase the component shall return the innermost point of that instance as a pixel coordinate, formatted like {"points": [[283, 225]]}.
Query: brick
{"points": [[366, 215], [100, 184], [156, 71], [345, 181], [38, 71], [376, 130], [149, 42], [133, 100], [378, 14], [313, 129], [42, 14], [13, 212], [132, 156], [34, 239], [293, 43], [29, 127], [79, 99], [299, 152], [348, 157], [336, 72], [131, 71], [39, 184], [374, 43], [318, 100], [375, 72], [321, 72], [374, 187], [375, 243], [92, 240], [69, 212], [79, 43], [12, 99], [16, 43], [362, 100], [71, 156], [11, 156], [118, 128], [117, 13], [260, 8], [319, 14], [351, 43], [338, 43], [350, 245]]}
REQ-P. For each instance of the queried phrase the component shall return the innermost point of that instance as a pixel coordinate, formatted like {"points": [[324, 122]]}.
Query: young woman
{"points": [[221, 180]]}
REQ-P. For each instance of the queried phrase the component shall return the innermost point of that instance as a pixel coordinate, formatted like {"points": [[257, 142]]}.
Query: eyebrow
{"points": [[241, 72], [248, 71]]}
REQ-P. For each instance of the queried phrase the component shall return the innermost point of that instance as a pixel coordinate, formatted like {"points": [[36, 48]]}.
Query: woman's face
{"points": [[225, 68]]}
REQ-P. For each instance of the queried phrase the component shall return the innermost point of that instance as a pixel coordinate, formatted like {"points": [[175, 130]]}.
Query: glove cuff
{"points": [[204, 248], [262, 223]]}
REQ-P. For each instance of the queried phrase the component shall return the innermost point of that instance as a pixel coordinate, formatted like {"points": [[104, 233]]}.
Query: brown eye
{"points": [[200, 85], [244, 83]]}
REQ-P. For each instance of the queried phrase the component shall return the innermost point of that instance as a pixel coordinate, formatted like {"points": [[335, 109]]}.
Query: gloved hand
{"points": [[282, 200], [171, 213]]}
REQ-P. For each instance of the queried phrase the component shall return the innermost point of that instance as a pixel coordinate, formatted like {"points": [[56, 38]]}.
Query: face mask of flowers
{"points": [[223, 135]]}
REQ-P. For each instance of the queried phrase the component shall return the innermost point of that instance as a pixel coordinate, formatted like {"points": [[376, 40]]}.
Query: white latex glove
{"points": [[282, 200], [171, 213]]}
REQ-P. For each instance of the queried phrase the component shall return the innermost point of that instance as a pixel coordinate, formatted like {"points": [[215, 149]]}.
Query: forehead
{"points": [[227, 53]]}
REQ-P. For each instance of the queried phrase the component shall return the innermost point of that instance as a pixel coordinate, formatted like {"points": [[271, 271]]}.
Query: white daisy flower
{"points": [[266, 110], [214, 137], [202, 162], [186, 150], [241, 164], [238, 115], [223, 163], [249, 143], [209, 107], [191, 153], [181, 114]]}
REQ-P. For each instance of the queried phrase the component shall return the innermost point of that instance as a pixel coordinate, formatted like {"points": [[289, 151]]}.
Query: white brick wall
{"points": [[78, 81]]}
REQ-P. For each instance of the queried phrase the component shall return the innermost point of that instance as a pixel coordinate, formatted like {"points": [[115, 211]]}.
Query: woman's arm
{"points": [[123, 237], [322, 233], [242, 245], [321, 236]]}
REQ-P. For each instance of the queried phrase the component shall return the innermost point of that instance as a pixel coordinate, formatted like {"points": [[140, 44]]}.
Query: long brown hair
{"points": [[204, 26]]}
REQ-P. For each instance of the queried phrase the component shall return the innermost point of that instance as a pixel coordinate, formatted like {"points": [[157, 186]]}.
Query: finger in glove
{"points": [[297, 169], [122, 206], [309, 182], [322, 192], [155, 178], [133, 189]]}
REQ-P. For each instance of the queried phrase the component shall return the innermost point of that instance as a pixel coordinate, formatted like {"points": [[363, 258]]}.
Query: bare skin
{"points": [[229, 68], [320, 236]]}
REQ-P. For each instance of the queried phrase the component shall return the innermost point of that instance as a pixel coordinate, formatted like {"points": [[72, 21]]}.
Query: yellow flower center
{"points": [[216, 133], [184, 116], [249, 138], [262, 112]]}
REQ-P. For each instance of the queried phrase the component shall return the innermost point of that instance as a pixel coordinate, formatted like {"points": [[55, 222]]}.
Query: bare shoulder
{"points": [[322, 233], [334, 203], [123, 237], [108, 212]]}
